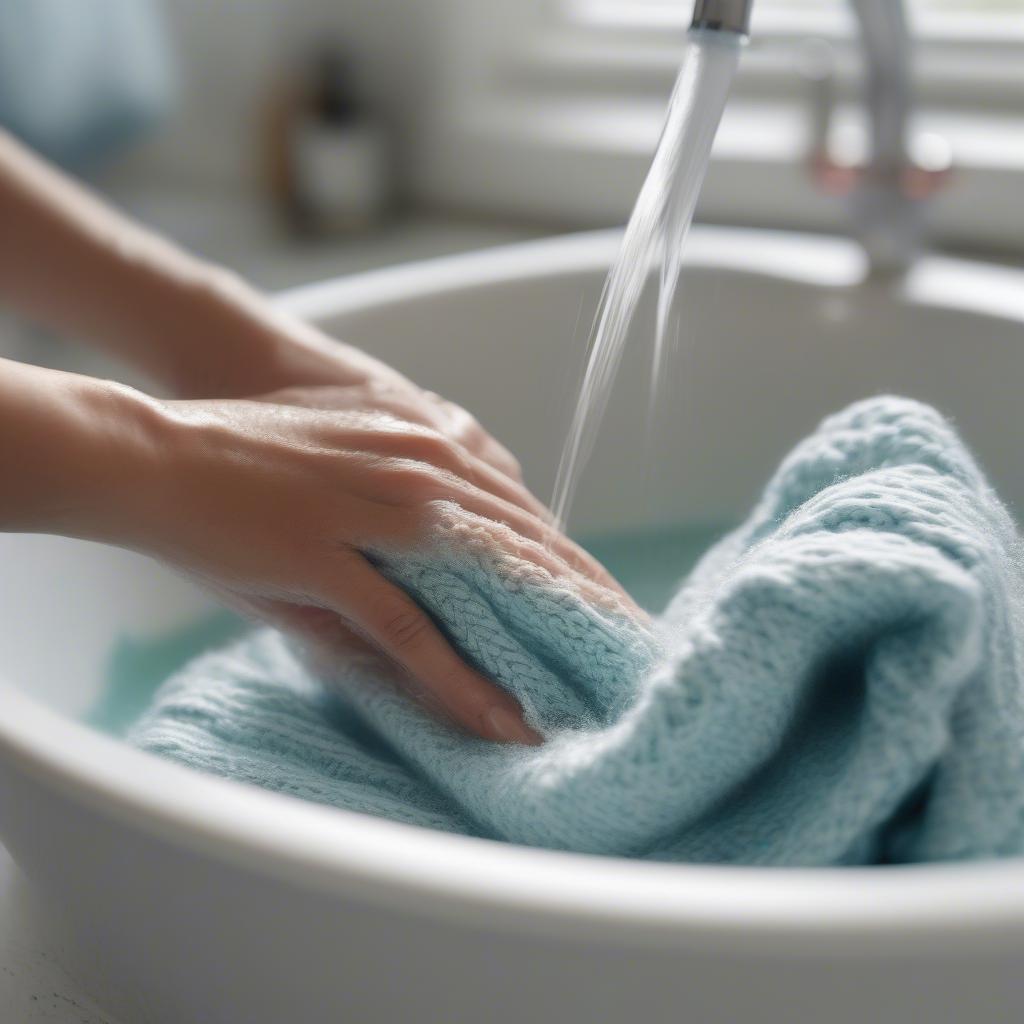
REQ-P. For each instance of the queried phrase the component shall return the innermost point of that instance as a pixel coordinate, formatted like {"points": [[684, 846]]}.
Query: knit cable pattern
{"points": [[837, 682]]}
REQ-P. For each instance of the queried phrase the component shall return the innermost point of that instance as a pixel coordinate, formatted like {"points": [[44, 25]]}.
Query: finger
{"points": [[394, 623], [545, 546], [434, 449], [545, 536], [501, 485], [352, 400], [484, 476], [495, 453], [489, 465], [419, 491], [405, 407], [323, 397], [602, 594], [325, 637], [465, 428], [322, 628], [405, 404]]}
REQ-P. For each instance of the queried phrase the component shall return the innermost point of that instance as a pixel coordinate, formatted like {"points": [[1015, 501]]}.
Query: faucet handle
{"points": [[926, 171], [884, 196], [930, 167], [816, 65]]}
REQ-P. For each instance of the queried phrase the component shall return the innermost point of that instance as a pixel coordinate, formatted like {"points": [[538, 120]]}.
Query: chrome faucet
{"points": [[885, 191], [723, 15]]}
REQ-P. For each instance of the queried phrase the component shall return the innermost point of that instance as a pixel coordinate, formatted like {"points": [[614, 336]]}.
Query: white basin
{"points": [[193, 899]]}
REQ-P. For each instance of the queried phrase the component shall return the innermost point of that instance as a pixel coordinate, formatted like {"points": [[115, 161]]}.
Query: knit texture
{"points": [[837, 682]]}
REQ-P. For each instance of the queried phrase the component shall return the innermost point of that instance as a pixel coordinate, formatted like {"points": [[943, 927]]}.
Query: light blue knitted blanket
{"points": [[836, 683]]}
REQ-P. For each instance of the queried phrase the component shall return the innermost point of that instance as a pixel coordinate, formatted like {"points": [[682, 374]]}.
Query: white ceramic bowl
{"points": [[193, 899]]}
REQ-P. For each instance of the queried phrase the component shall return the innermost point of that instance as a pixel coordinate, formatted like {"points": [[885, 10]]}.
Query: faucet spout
{"points": [[723, 15]]}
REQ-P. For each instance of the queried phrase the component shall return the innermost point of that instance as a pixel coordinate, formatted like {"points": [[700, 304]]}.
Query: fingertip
{"points": [[500, 722], [482, 708], [504, 726], [404, 633]]}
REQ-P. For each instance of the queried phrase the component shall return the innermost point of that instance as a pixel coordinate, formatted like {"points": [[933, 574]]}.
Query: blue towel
{"points": [[836, 683]]}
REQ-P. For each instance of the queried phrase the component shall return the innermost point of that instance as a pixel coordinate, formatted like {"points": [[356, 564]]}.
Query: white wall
{"points": [[229, 50], [414, 57]]}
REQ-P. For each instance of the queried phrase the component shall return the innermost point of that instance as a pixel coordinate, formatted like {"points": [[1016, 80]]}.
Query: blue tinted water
{"points": [[138, 667], [649, 564]]}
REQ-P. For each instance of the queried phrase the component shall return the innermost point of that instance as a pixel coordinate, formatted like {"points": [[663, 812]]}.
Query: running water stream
{"points": [[654, 236]]}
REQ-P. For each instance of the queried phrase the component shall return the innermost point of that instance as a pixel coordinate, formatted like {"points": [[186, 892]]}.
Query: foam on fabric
{"points": [[837, 682]]}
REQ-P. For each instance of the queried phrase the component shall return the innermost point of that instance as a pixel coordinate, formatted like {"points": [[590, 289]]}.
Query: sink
{"points": [[191, 898]]}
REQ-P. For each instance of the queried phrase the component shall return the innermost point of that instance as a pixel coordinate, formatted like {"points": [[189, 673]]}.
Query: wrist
{"points": [[203, 332], [224, 343], [235, 343], [122, 433], [81, 454]]}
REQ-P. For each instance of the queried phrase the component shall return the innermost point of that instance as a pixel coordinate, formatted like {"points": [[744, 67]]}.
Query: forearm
{"points": [[74, 454], [71, 262]]}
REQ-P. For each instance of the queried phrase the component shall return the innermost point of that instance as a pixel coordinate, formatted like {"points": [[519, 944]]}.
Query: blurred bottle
{"points": [[330, 154]]}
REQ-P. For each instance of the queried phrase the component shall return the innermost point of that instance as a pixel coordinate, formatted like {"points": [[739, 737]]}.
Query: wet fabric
{"points": [[837, 682]]}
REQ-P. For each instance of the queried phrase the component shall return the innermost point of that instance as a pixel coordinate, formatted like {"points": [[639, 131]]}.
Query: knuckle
{"points": [[283, 396], [430, 446], [415, 483], [470, 424], [424, 520], [476, 433], [512, 465], [377, 387], [465, 424], [329, 396], [404, 628]]}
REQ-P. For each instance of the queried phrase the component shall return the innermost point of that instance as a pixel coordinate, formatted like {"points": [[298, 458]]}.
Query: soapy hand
{"points": [[393, 394], [272, 502], [273, 505], [279, 509]]}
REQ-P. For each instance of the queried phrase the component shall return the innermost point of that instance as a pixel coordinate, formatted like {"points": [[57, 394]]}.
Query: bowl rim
{"points": [[912, 909], [906, 910]]}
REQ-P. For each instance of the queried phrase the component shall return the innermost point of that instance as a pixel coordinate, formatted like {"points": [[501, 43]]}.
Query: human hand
{"points": [[275, 508], [403, 400], [254, 348]]}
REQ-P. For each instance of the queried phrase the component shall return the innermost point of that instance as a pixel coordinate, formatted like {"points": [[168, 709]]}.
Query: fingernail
{"points": [[507, 727]]}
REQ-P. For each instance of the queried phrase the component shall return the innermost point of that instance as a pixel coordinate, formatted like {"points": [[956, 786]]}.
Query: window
{"points": [[948, 15], [563, 127]]}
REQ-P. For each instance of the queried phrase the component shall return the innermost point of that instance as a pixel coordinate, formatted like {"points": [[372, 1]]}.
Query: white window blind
{"points": [[948, 15], [564, 129]]}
